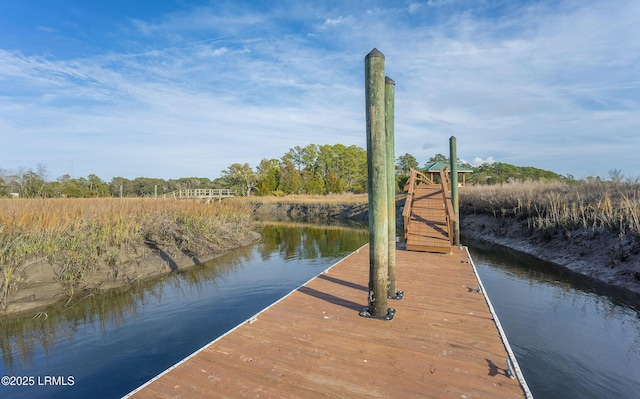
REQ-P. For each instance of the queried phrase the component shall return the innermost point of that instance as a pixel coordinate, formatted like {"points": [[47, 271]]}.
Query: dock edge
{"points": [[249, 320], [503, 335]]}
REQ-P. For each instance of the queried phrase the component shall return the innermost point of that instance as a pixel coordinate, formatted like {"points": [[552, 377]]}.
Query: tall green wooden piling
{"points": [[453, 159], [389, 100], [377, 183]]}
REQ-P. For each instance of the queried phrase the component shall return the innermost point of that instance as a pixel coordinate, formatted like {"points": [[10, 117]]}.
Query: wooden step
{"points": [[428, 230]]}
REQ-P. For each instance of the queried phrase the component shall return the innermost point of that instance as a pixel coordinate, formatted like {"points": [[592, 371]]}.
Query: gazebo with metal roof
{"points": [[434, 168]]}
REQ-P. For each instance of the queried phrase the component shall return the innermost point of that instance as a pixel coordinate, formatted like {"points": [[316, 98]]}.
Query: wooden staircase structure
{"points": [[428, 213]]}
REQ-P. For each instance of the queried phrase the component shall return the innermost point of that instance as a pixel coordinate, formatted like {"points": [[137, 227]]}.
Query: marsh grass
{"points": [[78, 236], [560, 207]]}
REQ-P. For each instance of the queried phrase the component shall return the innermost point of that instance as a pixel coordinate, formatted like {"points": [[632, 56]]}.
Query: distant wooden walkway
{"points": [[206, 193], [442, 343], [428, 213]]}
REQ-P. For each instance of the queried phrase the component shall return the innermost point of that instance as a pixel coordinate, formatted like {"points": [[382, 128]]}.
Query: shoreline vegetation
{"points": [[589, 227], [53, 250]]}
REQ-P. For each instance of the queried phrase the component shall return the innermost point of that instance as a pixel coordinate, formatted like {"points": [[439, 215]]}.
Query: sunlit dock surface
{"points": [[442, 343]]}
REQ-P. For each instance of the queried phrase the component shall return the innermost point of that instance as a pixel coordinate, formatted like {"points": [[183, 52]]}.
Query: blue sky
{"points": [[185, 88]]}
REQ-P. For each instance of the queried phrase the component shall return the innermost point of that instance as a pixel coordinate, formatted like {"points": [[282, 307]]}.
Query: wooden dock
{"points": [[202, 193], [442, 343]]}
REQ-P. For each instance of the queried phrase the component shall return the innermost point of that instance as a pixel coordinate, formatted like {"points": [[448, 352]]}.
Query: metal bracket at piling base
{"points": [[399, 295], [389, 316]]}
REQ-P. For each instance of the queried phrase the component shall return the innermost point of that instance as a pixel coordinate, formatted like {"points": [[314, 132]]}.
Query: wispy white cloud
{"points": [[477, 161], [336, 21], [146, 29], [438, 3], [543, 84], [47, 29]]}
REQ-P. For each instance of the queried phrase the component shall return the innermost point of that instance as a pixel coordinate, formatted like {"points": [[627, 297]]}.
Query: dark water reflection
{"points": [[111, 343], [573, 337]]}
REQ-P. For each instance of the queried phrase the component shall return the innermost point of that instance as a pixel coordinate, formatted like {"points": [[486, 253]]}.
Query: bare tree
{"points": [[616, 175], [241, 176]]}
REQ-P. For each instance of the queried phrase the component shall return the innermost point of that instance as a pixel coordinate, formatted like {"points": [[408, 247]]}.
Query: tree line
{"points": [[33, 183], [312, 169], [486, 173]]}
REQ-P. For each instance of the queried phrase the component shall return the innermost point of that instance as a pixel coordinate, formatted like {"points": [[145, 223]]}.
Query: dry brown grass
{"points": [[78, 235], [559, 206]]}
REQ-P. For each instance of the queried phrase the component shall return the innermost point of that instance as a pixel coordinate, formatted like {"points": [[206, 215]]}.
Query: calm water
{"points": [[109, 345], [573, 338]]}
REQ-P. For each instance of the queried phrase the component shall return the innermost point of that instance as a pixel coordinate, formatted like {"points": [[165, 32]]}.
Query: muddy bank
{"points": [[315, 211], [599, 253], [318, 211], [41, 287]]}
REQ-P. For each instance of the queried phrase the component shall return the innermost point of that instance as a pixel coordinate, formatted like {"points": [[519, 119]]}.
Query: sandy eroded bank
{"points": [[599, 253]]}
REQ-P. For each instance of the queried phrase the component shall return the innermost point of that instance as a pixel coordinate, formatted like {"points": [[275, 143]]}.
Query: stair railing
{"points": [[415, 177], [448, 202]]}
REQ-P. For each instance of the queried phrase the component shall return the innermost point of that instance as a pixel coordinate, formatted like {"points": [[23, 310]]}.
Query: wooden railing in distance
{"points": [[415, 177], [448, 202], [202, 193]]}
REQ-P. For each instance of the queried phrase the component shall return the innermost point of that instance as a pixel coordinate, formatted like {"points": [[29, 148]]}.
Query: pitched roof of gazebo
{"points": [[436, 166]]}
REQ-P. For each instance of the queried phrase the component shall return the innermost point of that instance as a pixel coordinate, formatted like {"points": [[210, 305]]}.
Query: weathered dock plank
{"points": [[442, 343]]}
